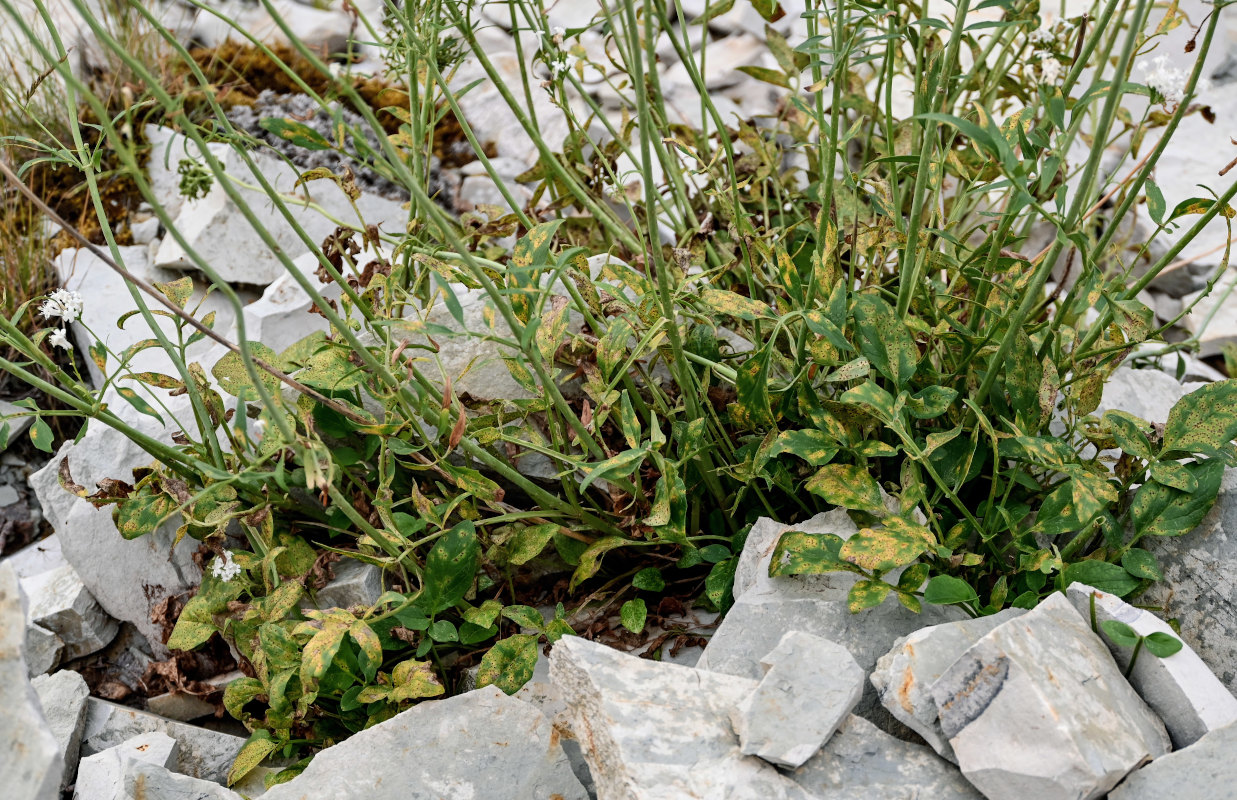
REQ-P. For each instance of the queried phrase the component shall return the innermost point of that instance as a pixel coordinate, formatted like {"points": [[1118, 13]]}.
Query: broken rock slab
{"points": [[61, 603], [200, 753], [654, 730], [903, 677], [1206, 770], [43, 649], [356, 584], [480, 744], [102, 776], [1186, 695], [862, 762], [809, 688], [30, 760], [1200, 585], [36, 557], [144, 780], [752, 572], [63, 698], [1038, 708]]}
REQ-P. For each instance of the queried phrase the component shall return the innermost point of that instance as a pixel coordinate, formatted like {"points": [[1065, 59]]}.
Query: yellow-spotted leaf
{"points": [[897, 544], [848, 486]]}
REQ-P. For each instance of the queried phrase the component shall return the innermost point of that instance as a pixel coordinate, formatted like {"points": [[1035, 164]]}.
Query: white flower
{"points": [[64, 304], [557, 33], [224, 568], [1166, 80], [1043, 35], [1049, 71], [58, 339]]}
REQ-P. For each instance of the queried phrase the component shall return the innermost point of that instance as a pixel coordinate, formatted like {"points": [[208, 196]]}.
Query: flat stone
{"points": [[752, 572], [43, 649], [356, 584], [146, 781], [61, 603], [63, 698], [36, 557], [1038, 708], [1186, 695], [1206, 770], [1146, 393], [480, 744], [904, 676], [8, 495], [179, 706], [655, 730], [1222, 328], [31, 764], [17, 425], [862, 762], [1199, 589], [201, 753], [809, 688], [102, 776]]}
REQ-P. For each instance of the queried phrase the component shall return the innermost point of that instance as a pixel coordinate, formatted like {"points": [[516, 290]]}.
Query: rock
{"points": [[63, 698], [146, 781], [30, 760], [479, 190], [200, 753], [43, 649], [1187, 696], [102, 776], [809, 688], [752, 572], [36, 557], [356, 584], [106, 562], [8, 495], [17, 425], [755, 625], [61, 603], [725, 56], [904, 676], [653, 730], [1038, 708], [480, 744], [1200, 586], [1221, 307], [861, 761], [179, 706], [1205, 770], [1146, 393]]}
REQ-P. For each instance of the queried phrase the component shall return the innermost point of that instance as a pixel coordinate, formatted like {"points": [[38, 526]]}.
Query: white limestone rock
{"points": [[480, 744], [1221, 307], [1146, 393], [36, 557], [31, 763], [63, 698], [43, 649], [1206, 770], [179, 706], [809, 688], [61, 603], [653, 730], [356, 584], [144, 780], [1186, 695], [102, 776], [903, 677], [752, 572], [1038, 708]]}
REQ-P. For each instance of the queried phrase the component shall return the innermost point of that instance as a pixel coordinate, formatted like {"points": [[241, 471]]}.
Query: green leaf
{"points": [[719, 583], [930, 402], [1199, 205], [618, 466], [945, 590], [143, 511], [234, 379], [735, 305], [867, 594], [178, 291], [800, 553], [1204, 421], [1101, 575], [414, 680], [1130, 433], [1171, 473], [814, 446], [450, 568], [859, 368], [41, 435], [1162, 645], [1121, 634], [528, 542], [633, 615], [1155, 202], [509, 664], [649, 579], [1160, 510], [884, 339], [913, 577], [254, 752], [590, 559], [767, 75], [897, 544], [298, 133], [444, 631], [484, 615], [1141, 564], [133, 399], [525, 617], [848, 486]]}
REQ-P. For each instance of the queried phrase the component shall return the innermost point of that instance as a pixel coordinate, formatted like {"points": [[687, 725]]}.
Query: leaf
{"points": [[509, 664], [298, 133], [414, 680], [1130, 433], [254, 752], [800, 553], [719, 583], [767, 75], [913, 577], [135, 400], [649, 579], [1162, 645], [848, 486], [1121, 634], [867, 594], [1155, 202], [945, 590], [884, 339], [450, 568], [41, 435], [931, 401], [528, 542], [735, 305], [619, 466], [143, 511], [444, 631], [1160, 510], [525, 617], [814, 446], [897, 544], [178, 291], [320, 651], [1199, 205], [1141, 564], [859, 368], [484, 615], [1101, 575], [1170, 473], [590, 559], [633, 614], [1203, 421]]}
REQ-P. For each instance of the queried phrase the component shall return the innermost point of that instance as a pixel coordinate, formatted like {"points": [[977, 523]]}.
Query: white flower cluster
{"points": [[565, 65], [1050, 71], [224, 568], [1165, 79], [65, 305]]}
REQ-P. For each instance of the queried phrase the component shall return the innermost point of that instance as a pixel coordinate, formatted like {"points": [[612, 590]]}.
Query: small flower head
{"points": [[1049, 71], [557, 34], [1166, 80], [224, 568], [63, 304], [58, 339]]}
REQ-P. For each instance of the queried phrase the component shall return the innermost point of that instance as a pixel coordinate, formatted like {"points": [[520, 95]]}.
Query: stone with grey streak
{"points": [[904, 676], [1206, 770], [1038, 708], [102, 776], [480, 744], [63, 697], [809, 687], [146, 781], [61, 603]]}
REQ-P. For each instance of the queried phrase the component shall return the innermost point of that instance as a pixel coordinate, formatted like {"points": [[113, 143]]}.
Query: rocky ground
{"points": [[792, 697]]}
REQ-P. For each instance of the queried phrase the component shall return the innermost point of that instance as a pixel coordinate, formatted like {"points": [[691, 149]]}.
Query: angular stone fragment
{"points": [[480, 744], [61, 603], [102, 776], [356, 584], [1146, 393], [30, 759], [655, 730], [1038, 708], [904, 676], [201, 753], [1206, 770], [63, 698], [809, 688], [36, 557], [180, 706], [43, 649], [752, 572], [1200, 585], [862, 762], [146, 781], [1188, 697]]}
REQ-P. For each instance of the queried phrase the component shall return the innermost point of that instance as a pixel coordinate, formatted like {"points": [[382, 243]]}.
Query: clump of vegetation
{"points": [[832, 306]]}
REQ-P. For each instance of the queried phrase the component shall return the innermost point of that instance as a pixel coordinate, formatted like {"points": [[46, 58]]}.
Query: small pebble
{"points": [[8, 495]]}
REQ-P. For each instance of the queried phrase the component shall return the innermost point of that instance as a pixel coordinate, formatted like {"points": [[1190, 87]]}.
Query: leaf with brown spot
{"points": [[897, 544]]}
